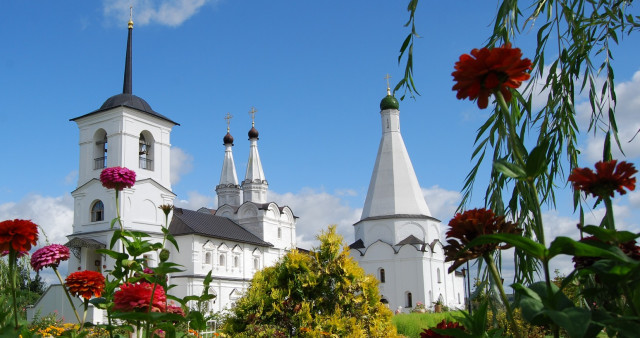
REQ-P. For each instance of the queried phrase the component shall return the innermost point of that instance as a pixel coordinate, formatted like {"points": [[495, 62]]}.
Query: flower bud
{"points": [[164, 255]]}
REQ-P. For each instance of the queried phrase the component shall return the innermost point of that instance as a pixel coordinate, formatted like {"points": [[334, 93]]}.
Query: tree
{"points": [[323, 292]]}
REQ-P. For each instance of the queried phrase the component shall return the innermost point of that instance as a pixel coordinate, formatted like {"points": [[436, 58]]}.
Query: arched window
{"points": [[236, 261], [439, 279], [145, 151], [97, 211], [382, 276], [279, 233], [222, 260], [207, 258], [100, 149], [256, 263], [409, 300]]}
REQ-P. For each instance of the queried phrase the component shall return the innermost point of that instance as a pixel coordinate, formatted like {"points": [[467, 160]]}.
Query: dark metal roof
{"points": [[188, 222], [411, 239], [80, 242], [359, 244]]}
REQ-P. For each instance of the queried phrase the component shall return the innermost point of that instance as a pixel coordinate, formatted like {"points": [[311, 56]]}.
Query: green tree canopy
{"points": [[320, 293]]}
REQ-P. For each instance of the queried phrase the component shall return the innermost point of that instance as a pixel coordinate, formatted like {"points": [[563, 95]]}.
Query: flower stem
{"points": [[66, 292], [13, 258], [84, 315], [496, 278], [504, 109], [609, 221]]}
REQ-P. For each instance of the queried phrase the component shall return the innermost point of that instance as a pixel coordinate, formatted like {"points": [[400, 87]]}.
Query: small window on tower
{"points": [[97, 211], [279, 233], [382, 276]]}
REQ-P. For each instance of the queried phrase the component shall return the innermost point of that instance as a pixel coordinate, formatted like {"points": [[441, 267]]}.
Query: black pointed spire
{"points": [[127, 86]]}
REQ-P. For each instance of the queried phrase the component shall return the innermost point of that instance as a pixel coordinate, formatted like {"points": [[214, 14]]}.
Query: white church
{"points": [[397, 239]]}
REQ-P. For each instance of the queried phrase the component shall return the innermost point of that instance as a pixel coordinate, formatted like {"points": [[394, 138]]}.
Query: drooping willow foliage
{"points": [[574, 56]]}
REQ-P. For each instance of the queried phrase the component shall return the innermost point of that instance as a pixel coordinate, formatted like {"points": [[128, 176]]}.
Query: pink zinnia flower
{"points": [[117, 178], [137, 297], [49, 256]]}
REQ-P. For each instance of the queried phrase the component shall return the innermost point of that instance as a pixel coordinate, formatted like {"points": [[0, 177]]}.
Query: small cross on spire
{"points": [[228, 117], [387, 77], [130, 17], [253, 112]]}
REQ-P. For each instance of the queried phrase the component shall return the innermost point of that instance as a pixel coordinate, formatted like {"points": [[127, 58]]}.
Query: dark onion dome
{"points": [[228, 139], [253, 133], [389, 102]]}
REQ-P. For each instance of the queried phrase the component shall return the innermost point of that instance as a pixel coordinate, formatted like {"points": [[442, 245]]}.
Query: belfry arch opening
{"points": [[146, 150], [100, 149]]}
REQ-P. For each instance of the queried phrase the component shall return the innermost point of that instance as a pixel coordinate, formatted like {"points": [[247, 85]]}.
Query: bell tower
{"points": [[124, 132]]}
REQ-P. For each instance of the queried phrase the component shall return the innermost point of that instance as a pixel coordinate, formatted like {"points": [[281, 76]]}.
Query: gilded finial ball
{"points": [[389, 102]]}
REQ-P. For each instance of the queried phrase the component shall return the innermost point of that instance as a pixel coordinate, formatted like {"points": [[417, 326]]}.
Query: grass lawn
{"points": [[411, 324]]}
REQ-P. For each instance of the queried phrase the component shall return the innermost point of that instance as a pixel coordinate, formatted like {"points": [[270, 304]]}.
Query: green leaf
{"points": [[574, 320], [537, 160], [609, 235], [567, 246], [523, 243], [509, 169]]}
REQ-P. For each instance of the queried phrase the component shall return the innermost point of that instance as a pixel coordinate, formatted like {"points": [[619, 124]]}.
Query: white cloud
{"points": [[53, 214], [195, 201], [628, 104], [181, 163], [316, 211], [164, 12], [442, 203], [71, 177]]}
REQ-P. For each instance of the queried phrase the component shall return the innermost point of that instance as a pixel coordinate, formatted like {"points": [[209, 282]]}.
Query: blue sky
{"points": [[313, 69]]}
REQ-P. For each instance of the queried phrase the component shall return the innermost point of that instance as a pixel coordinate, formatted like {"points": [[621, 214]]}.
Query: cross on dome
{"points": [[228, 117], [253, 112], [387, 77]]}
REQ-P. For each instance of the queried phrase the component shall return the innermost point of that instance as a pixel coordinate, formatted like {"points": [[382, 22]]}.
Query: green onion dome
{"points": [[389, 102]]}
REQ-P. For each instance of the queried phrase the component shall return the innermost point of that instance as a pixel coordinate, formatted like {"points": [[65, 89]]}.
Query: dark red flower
{"points": [[49, 256], [117, 178], [486, 71], [443, 325], [18, 234], [466, 226], [137, 297], [608, 178], [85, 284]]}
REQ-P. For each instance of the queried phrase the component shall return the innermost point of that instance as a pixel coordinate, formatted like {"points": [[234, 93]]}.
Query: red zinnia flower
{"points": [[117, 178], [49, 256], [443, 325], [466, 226], [486, 71], [85, 284], [18, 234], [136, 297], [606, 180]]}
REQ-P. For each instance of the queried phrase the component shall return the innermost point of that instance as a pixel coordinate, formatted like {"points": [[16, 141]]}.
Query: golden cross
{"points": [[228, 117], [387, 77], [253, 112]]}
